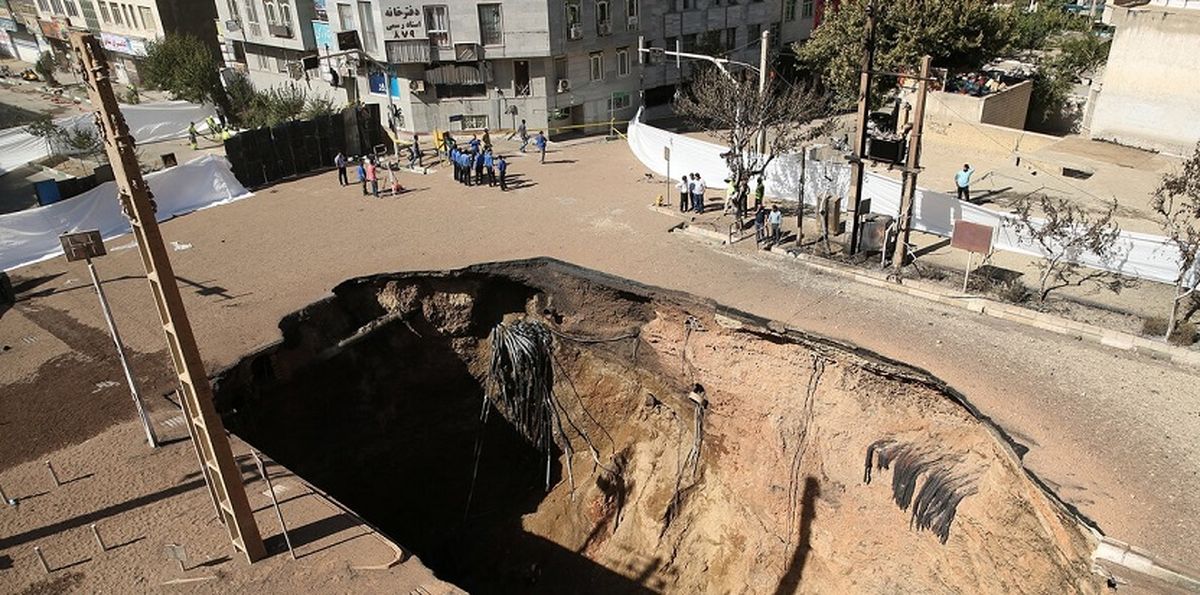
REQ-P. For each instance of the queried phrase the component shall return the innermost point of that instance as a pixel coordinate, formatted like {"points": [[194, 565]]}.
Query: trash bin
{"points": [[873, 232]]}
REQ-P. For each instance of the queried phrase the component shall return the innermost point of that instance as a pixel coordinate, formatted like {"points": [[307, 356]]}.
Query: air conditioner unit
{"points": [[564, 86], [633, 21], [604, 28], [467, 52], [576, 31], [416, 86]]}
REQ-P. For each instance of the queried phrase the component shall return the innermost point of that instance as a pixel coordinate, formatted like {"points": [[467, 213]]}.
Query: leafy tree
{"points": [[1177, 203], [187, 68], [46, 66], [1066, 232], [317, 106], [45, 128], [1059, 71]]}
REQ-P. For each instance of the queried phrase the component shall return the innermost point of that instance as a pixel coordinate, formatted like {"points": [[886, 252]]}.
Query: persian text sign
{"points": [[402, 20]]}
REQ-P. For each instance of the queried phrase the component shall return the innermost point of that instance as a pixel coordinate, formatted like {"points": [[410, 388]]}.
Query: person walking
{"points": [[775, 219], [416, 152], [685, 193], [523, 134], [373, 177], [487, 140], [962, 180], [502, 167], [362, 174], [760, 222], [192, 135], [339, 160], [540, 143], [489, 165], [448, 142]]}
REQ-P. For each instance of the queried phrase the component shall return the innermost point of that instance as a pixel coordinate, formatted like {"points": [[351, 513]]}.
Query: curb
{"points": [[974, 303]]}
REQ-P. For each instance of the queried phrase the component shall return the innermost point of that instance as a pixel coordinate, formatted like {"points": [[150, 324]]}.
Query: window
{"points": [[597, 66], [490, 25], [574, 19], [670, 43], [104, 14], [690, 41], [130, 17], [631, 14], [42, 4], [366, 23], [71, 10], [281, 64], [271, 11], [252, 17], [776, 35], [689, 4], [437, 25], [730, 40], [233, 8], [285, 13], [620, 100], [116, 13], [789, 10], [622, 61], [808, 9], [560, 69], [147, 18], [264, 61], [345, 17], [603, 18], [57, 4], [753, 34], [474, 121]]}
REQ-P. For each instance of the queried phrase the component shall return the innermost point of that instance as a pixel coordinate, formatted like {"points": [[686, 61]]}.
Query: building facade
{"points": [[1147, 98], [455, 65], [125, 27]]}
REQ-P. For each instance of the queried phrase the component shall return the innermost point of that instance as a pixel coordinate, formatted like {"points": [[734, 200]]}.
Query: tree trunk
{"points": [[1172, 319]]}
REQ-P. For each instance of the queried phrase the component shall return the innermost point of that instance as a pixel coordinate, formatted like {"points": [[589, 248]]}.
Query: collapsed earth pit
{"points": [[690, 448]]}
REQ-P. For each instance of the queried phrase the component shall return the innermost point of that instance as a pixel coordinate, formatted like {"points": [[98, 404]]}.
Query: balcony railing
{"points": [[280, 31], [409, 51]]}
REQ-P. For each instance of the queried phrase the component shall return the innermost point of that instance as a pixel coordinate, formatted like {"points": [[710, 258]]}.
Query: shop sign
{"points": [[123, 45], [402, 20]]}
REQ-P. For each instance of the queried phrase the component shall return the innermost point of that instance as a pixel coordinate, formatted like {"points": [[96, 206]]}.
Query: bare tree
{"points": [[1065, 233], [729, 108], [1177, 202]]}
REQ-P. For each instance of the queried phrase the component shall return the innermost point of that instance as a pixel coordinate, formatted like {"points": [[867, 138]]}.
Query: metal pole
{"points": [[53, 474], [262, 470], [860, 138], [116, 337], [967, 273], [38, 550], [912, 166], [762, 89], [99, 540]]}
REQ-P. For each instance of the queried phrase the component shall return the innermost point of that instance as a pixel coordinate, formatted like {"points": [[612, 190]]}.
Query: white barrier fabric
{"points": [[31, 235], [148, 123], [1141, 255]]}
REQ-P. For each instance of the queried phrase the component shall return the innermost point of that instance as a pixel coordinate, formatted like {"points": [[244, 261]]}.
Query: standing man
{"points": [[468, 159], [685, 193], [489, 165], [362, 174], [192, 134], [730, 194], [523, 134], [479, 168], [416, 151], [692, 185], [373, 177], [540, 143], [962, 180], [487, 140], [447, 142], [759, 191], [452, 155], [340, 161], [775, 219], [701, 189], [760, 222], [502, 166], [474, 142]]}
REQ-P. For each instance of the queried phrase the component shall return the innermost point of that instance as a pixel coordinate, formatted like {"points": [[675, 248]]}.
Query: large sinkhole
{"points": [[639, 440]]}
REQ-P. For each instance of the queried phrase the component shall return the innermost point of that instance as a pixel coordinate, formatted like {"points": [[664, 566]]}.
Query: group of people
{"points": [[691, 193], [478, 158], [539, 141], [692, 188], [368, 174]]}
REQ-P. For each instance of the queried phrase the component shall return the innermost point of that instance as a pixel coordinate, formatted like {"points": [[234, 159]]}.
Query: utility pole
{"points": [[860, 138], [762, 88], [221, 473], [912, 166]]}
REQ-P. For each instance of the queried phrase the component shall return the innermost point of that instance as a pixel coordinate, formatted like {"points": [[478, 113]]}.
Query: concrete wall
{"points": [[1004, 108], [1149, 95]]}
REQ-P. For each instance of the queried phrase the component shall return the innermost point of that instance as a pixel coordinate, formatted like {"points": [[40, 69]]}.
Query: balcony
{"points": [[409, 51], [284, 31]]}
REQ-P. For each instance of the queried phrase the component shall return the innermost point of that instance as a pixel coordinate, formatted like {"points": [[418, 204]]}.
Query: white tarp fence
{"points": [[31, 235], [1141, 255], [148, 123]]}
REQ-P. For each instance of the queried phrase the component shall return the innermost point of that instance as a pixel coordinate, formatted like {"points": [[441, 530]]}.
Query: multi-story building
{"points": [[126, 26], [19, 29], [450, 65]]}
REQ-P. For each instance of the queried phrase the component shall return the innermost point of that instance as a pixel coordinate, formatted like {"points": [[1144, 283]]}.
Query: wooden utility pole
{"points": [[912, 166], [221, 473], [860, 138]]}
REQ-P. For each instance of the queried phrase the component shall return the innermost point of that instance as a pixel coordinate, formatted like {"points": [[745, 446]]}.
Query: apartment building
{"points": [[454, 65], [125, 26]]}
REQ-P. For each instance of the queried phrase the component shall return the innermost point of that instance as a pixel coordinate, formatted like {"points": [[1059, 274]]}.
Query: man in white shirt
{"points": [[700, 189], [685, 193]]}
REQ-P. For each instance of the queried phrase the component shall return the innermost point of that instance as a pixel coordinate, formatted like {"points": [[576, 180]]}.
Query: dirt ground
{"points": [[243, 266]]}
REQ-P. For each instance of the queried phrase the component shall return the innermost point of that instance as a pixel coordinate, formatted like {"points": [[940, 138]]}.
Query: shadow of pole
{"points": [[795, 569]]}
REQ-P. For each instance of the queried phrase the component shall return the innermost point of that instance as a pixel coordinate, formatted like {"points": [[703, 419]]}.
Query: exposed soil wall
{"points": [[375, 395]]}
